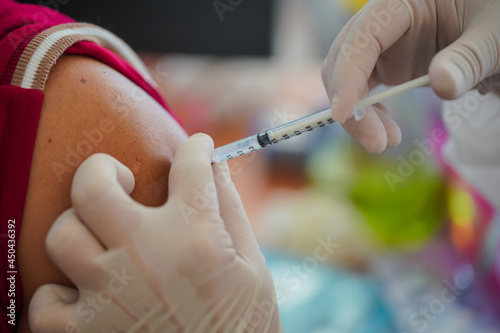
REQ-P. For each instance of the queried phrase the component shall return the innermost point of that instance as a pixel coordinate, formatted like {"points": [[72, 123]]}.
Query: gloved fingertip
{"points": [[375, 146], [338, 114], [394, 138], [338, 117], [205, 137], [201, 135], [126, 178], [448, 80]]}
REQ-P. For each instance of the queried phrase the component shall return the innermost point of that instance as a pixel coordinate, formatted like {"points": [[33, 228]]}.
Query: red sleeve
{"points": [[18, 129]]}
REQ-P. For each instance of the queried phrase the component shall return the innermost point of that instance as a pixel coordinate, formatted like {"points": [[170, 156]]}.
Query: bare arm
{"points": [[89, 108]]}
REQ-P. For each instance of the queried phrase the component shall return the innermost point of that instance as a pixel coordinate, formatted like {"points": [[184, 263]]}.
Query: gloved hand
{"points": [[192, 265], [472, 122], [394, 41]]}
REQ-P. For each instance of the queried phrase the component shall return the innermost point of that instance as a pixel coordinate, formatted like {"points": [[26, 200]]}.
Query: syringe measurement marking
{"points": [[286, 131], [308, 128], [287, 136], [241, 152]]}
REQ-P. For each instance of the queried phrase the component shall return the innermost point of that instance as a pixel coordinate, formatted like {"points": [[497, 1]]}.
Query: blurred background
{"points": [[396, 242]]}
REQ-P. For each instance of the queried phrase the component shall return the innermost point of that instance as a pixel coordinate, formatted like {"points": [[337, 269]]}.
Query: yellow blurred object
{"points": [[353, 6], [463, 215], [461, 207]]}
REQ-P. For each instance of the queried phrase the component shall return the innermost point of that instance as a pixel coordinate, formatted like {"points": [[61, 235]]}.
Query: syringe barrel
{"points": [[235, 149], [301, 125], [305, 124], [272, 136]]}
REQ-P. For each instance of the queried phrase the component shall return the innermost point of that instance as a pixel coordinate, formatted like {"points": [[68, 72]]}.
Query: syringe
{"points": [[305, 124]]}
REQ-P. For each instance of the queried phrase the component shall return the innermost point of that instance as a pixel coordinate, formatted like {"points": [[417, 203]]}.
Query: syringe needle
{"points": [[306, 124]]}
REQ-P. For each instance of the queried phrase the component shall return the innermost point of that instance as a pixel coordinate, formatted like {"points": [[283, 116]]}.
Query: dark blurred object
{"points": [[218, 27]]}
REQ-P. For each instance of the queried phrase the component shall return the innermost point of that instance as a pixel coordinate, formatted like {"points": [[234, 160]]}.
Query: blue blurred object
{"points": [[424, 298], [314, 297], [400, 295]]}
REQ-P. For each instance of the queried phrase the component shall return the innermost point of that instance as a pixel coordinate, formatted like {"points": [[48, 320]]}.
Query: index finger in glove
{"points": [[99, 195], [376, 131], [191, 179], [351, 60], [233, 213]]}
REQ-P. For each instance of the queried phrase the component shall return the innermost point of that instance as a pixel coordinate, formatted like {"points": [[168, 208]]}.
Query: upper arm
{"points": [[90, 108]]}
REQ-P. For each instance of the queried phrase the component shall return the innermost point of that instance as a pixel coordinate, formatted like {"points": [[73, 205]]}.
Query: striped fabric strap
{"points": [[44, 49]]}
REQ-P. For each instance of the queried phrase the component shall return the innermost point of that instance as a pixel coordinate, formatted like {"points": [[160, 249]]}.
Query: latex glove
{"points": [[394, 41], [191, 265], [473, 122]]}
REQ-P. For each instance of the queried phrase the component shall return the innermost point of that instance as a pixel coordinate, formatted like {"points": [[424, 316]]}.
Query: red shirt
{"points": [[31, 39]]}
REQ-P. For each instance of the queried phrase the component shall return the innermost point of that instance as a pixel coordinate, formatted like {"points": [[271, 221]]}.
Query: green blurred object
{"points": [[404, 215]]}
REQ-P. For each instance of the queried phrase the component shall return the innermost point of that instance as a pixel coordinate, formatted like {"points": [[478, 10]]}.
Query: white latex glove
{"points": [[191, 265], [393, 41], [473, 122]]}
